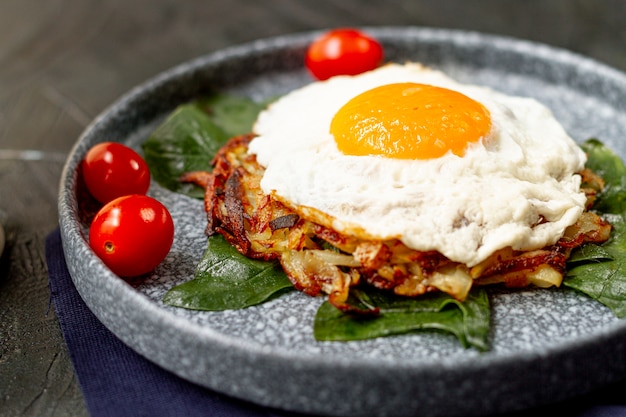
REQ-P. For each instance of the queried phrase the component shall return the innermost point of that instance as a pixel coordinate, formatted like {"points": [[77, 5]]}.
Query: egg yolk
{"points": [[409, 121]]}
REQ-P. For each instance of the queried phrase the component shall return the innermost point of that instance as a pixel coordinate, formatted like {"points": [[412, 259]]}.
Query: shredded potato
{"points": [[319, 260]]}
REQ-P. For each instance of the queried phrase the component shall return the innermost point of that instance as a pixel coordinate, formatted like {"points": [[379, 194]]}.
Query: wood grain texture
{"points": [[64, 61]]}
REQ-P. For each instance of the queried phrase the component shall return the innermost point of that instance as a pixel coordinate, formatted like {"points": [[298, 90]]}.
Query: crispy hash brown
{"points": [[317, 259]]}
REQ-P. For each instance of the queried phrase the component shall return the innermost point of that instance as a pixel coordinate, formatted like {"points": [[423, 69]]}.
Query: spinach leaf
{"points": [[186, 141], [588, 253], [226, 280], [469, 320], [609, 166], [189, 138], [600, 271], [235, 115]]}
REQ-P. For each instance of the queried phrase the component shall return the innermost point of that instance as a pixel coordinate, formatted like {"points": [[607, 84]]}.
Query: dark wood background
{"points": [[64, 61]]}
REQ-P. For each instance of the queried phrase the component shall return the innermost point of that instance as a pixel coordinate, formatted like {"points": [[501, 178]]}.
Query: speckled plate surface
{"points": [[547, 345]]}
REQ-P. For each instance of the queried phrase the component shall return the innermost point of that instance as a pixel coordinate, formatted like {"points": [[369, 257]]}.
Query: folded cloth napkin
{"points": [[116, 381]]}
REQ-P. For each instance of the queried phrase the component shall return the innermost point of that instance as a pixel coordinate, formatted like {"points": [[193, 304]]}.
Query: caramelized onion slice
{"points": [[452, 279]]}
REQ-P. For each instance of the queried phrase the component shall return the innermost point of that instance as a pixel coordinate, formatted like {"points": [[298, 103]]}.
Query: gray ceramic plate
{"points": [[547, 345]]}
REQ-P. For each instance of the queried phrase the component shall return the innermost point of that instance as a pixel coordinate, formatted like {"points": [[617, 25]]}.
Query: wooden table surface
{"points": [[64, 61]]}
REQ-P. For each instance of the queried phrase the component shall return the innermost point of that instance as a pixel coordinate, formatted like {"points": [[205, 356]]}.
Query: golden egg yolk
{"points": [[409, 121]]}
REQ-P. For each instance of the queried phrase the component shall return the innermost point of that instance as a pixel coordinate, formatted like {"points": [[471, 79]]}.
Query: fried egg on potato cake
{"points": [[405, 152], [406, 180]]}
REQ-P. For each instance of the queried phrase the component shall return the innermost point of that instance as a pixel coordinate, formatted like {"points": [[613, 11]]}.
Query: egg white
{"points": [[517, 188]]}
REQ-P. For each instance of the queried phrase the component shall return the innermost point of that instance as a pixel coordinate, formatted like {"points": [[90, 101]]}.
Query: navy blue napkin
{"points": [[116, 381]]}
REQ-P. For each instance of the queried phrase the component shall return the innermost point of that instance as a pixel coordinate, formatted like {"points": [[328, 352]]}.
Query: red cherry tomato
{"points": [[112, 170], [132, 234], [343, 52]]}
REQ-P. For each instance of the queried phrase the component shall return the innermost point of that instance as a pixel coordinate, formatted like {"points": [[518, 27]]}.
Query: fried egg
{"points": [[406, 152]]}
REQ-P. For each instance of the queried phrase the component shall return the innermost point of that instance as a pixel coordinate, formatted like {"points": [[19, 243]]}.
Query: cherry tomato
{"points": [[343, 52], [132, 234], [112, 170]]}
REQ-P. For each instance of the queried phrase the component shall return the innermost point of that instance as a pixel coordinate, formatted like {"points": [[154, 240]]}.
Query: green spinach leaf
{"points": [[600, 271], [227, 280], [189, 138], [186, 141], [469, 320], [235, 115]]}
